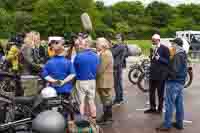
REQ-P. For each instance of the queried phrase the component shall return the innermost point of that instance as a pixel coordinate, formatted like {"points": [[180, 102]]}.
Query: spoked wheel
{"points": [[142, 83], [7, 87], [134, 74], [189, 77], [9, 117]]}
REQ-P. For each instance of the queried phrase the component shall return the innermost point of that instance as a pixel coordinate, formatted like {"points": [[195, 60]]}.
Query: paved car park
{"points": [[129, 118]]}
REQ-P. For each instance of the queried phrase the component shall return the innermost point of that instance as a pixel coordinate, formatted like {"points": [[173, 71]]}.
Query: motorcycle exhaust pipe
{"points": [[19, 122]]}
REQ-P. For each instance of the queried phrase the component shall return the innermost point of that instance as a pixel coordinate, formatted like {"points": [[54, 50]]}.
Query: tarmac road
{"points": [[129, 117]]}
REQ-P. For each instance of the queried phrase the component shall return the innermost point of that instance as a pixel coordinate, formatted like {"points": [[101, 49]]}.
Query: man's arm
{"points": [[68, 78], [178, 61], [50, 79], [27, 55], [45, 74], [71, 76], [116, 50], [165, 58], [105, 62]]}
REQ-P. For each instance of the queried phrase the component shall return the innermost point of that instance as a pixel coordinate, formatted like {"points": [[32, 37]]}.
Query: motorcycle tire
{"points": [[141, 83], [134, 74], [189, 78]]}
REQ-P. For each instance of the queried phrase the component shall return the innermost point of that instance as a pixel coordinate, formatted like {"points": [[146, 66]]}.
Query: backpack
{"points": [[91, 128]]}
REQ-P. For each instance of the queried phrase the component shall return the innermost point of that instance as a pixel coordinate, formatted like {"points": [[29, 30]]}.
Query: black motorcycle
{"points": [[144, 78], [18, 111], [136, 70]]}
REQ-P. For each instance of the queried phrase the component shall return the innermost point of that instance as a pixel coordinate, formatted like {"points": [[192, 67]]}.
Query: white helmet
{"points": [[48, 92], [49, 122]]}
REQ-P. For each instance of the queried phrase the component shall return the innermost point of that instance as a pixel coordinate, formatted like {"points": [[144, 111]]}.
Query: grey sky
{"points": [[172, 2]]}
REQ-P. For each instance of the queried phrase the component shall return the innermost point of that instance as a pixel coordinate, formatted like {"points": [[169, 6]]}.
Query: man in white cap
{"points": [[158, 73], [51, 39]]}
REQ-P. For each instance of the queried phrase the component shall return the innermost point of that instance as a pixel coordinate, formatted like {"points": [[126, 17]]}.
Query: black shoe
{"points": [[115, 101], [163, 129], [118, 103], [159, 111], [174, 124], [101, 120], [106, 122], [150, 111]]}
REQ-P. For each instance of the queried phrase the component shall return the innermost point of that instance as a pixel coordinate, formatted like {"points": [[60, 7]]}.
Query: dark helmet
{"points": [[178, 41], [49, 122]]}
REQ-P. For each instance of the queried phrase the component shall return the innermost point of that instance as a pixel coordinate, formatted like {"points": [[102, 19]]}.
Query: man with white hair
{"points": [[105, 79], [160, 58]]}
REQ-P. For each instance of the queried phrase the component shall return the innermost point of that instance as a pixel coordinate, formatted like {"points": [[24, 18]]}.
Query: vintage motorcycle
{"points": [[143, 79]]}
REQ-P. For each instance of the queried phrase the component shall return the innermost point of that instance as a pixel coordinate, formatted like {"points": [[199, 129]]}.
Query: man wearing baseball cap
{"points": [[159, 63], [52, 39], [174, 87], [59, 71]]}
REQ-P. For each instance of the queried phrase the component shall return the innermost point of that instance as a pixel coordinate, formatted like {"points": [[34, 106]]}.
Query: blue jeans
{"points": [[173, 97], [118, 84]]}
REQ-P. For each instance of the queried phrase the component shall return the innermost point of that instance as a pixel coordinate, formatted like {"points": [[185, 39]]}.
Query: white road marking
{"points": [[147, 103], [142, 109], [186, 121]]}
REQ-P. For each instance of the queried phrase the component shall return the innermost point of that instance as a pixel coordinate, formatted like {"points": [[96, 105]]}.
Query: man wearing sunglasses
{"points": [[59, 71]]}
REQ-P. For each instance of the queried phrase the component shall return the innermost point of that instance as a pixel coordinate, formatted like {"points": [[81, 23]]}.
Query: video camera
{"points": [[17, 39], [71, 37]]}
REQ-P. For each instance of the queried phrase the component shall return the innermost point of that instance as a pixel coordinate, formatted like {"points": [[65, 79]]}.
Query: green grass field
{"points": [[145, 45]]}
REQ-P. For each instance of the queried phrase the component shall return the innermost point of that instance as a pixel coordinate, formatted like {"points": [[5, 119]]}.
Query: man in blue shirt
{"points": [[86, 64], [59, 71]]}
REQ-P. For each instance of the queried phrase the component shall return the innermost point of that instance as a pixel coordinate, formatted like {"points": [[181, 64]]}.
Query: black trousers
{"points": [[118, 84], [160, 87]]}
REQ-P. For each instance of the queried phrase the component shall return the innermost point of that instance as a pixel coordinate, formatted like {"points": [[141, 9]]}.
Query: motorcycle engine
{"points": [[51, 101]]}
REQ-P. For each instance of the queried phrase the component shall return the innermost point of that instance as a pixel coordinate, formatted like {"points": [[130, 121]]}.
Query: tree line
{"points": [[133, 19]]}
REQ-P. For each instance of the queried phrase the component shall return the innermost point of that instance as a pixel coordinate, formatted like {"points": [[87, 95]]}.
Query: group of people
{"points": [[168, 71], [94, 67], [98, 69], [24, 53]]}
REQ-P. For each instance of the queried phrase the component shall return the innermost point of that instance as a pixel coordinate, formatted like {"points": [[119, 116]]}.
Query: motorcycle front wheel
{"points": [[189, 78], [142, 85], [134, 74]]}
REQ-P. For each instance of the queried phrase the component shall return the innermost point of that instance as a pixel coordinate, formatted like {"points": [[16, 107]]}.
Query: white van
{"points": [[193, 37]]}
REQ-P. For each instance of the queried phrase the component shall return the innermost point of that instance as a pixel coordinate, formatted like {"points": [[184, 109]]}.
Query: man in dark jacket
{"points": [[174, 88], [159, 62], [119, 54]]}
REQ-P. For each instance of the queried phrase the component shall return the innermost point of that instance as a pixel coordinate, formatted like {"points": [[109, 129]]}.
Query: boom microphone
{"points": [[86, 21]]}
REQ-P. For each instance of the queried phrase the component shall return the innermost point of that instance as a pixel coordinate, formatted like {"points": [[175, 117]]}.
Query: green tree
{"points": [[6, 23], [160, 13], [8, 4], [56, 17]]}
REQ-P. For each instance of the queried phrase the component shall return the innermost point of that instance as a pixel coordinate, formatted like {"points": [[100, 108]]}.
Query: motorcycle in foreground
{"points": [[20, 111]]}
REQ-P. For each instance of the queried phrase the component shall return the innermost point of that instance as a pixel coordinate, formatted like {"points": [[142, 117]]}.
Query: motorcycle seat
{"points": [[24, 100]]}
